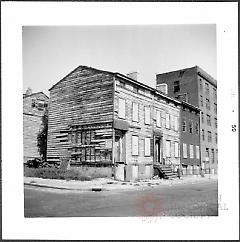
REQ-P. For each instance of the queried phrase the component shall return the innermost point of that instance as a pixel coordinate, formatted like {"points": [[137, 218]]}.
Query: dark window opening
{"points": [[176, 86]]}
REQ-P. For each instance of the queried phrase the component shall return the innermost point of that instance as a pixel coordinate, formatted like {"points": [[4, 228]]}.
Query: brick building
{"points": [[34, 105], [198, 88], [101, 118]]}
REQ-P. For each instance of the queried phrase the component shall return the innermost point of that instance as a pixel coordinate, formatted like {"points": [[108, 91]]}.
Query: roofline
{"points": [[200, 72], [147, 87], [89, 67], [125, 78], [190, 105], [25, 96]]}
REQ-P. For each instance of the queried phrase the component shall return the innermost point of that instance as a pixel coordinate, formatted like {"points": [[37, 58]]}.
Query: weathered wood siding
{"points": [[84, 97], [32, 123]]}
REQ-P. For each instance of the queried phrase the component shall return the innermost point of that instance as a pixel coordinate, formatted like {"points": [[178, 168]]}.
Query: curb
{"points": [[93, 189]]}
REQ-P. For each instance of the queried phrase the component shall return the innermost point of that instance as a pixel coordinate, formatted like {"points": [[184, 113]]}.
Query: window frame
{"points": [[145, 115], [136, 105], [132, 144], [119, 102], [147, 143]]}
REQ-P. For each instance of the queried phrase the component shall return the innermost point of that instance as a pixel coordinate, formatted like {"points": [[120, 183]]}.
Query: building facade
{"points": [[190, 139], [198, 88], [100, 118], [34, 105]]}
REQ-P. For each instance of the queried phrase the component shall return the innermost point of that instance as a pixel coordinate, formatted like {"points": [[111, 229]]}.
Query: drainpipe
{"points": [[113, 130]]}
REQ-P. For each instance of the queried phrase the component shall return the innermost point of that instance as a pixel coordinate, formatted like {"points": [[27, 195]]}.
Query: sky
{"points": [[51, 52]]}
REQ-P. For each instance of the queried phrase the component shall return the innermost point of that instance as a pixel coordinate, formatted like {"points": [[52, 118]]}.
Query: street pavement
{"points": [[174, 199]]}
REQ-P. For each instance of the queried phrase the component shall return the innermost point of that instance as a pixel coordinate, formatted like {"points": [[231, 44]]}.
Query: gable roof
{"points": [[35, 93]]}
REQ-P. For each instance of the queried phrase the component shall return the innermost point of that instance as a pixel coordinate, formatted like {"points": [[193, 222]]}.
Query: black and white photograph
{"points": [[121, 122]]}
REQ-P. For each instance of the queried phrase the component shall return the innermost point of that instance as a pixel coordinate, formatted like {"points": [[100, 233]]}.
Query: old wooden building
{"points": [[34, 105], [101, 118]]}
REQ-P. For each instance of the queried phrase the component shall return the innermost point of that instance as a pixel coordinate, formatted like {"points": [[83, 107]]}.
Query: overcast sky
{"points": [[50, 53]]}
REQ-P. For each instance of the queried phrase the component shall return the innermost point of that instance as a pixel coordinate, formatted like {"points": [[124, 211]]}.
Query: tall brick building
{"points": [[34, 105], [198, 88]]}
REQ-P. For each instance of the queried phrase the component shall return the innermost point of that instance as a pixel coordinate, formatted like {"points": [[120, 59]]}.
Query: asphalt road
{"points": [[179, 200]]}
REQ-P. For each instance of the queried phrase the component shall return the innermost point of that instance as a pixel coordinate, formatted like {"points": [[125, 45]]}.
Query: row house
{"points": [[34, 106], [106, 119]]}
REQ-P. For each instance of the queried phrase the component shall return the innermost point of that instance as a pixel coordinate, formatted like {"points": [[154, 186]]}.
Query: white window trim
{"points": [[147, 146], [176, 149], [191, 152], [122, 112], [158, 118], [185, 154], [135, 151], [167, 121], [147, 119], [135, 107], [168, 152]]}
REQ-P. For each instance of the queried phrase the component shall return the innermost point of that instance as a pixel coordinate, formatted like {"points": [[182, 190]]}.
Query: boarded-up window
{"points": [[158, 114], [134, 145], [176, 149], [197, 151], [121, 108], [167, 120], [147, 115], [176, 123], [168, 148], [191, 151], [135, 112], [185, 150], [172, 122], [147, 146]]}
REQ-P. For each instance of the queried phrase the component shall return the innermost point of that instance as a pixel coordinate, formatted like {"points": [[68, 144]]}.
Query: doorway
{"points": [[158, 151], [119, 151]]}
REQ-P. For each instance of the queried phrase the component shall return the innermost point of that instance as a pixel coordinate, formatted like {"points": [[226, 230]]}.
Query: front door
{"points": [[158, 150], [119, 147]]}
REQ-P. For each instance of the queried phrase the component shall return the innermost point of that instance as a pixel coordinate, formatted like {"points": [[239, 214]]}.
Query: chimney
{"points": [[29, 91], [162, 88], [133, 75]]}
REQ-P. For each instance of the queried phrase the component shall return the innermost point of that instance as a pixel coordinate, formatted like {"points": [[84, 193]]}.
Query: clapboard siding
{"points": [[85, 96]]}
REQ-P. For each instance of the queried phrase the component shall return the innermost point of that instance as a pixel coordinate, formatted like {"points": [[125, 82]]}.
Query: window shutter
{"points": [[151, 146]]}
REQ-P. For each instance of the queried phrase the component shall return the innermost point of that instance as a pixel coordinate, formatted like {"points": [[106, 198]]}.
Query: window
{"points": [[207, 104], [147, 146], [212, 151], [167, 120], [147, 115], [217, 156], [122, 84], [176, 86], [197, 152], [191, 151], [209, 136], [135, 112], [190, 127], [207, 88], [168, 148], [134, 145], [202, 117], [33, 103], [45, 105], [207, 153], [135, 89], [203, 134], [216, 138], [158, 114], [121, 108], [40, 105], [176, 123], [183, 97], [215, 108], [176, 149], [200, 85], [215, 119], [209, 120], [184, 126], [197, 128], [201, 100], [215, 94], [184, 150]]}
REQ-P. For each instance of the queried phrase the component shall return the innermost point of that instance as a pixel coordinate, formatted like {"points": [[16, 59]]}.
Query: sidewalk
{"points": [[108, 184]]}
